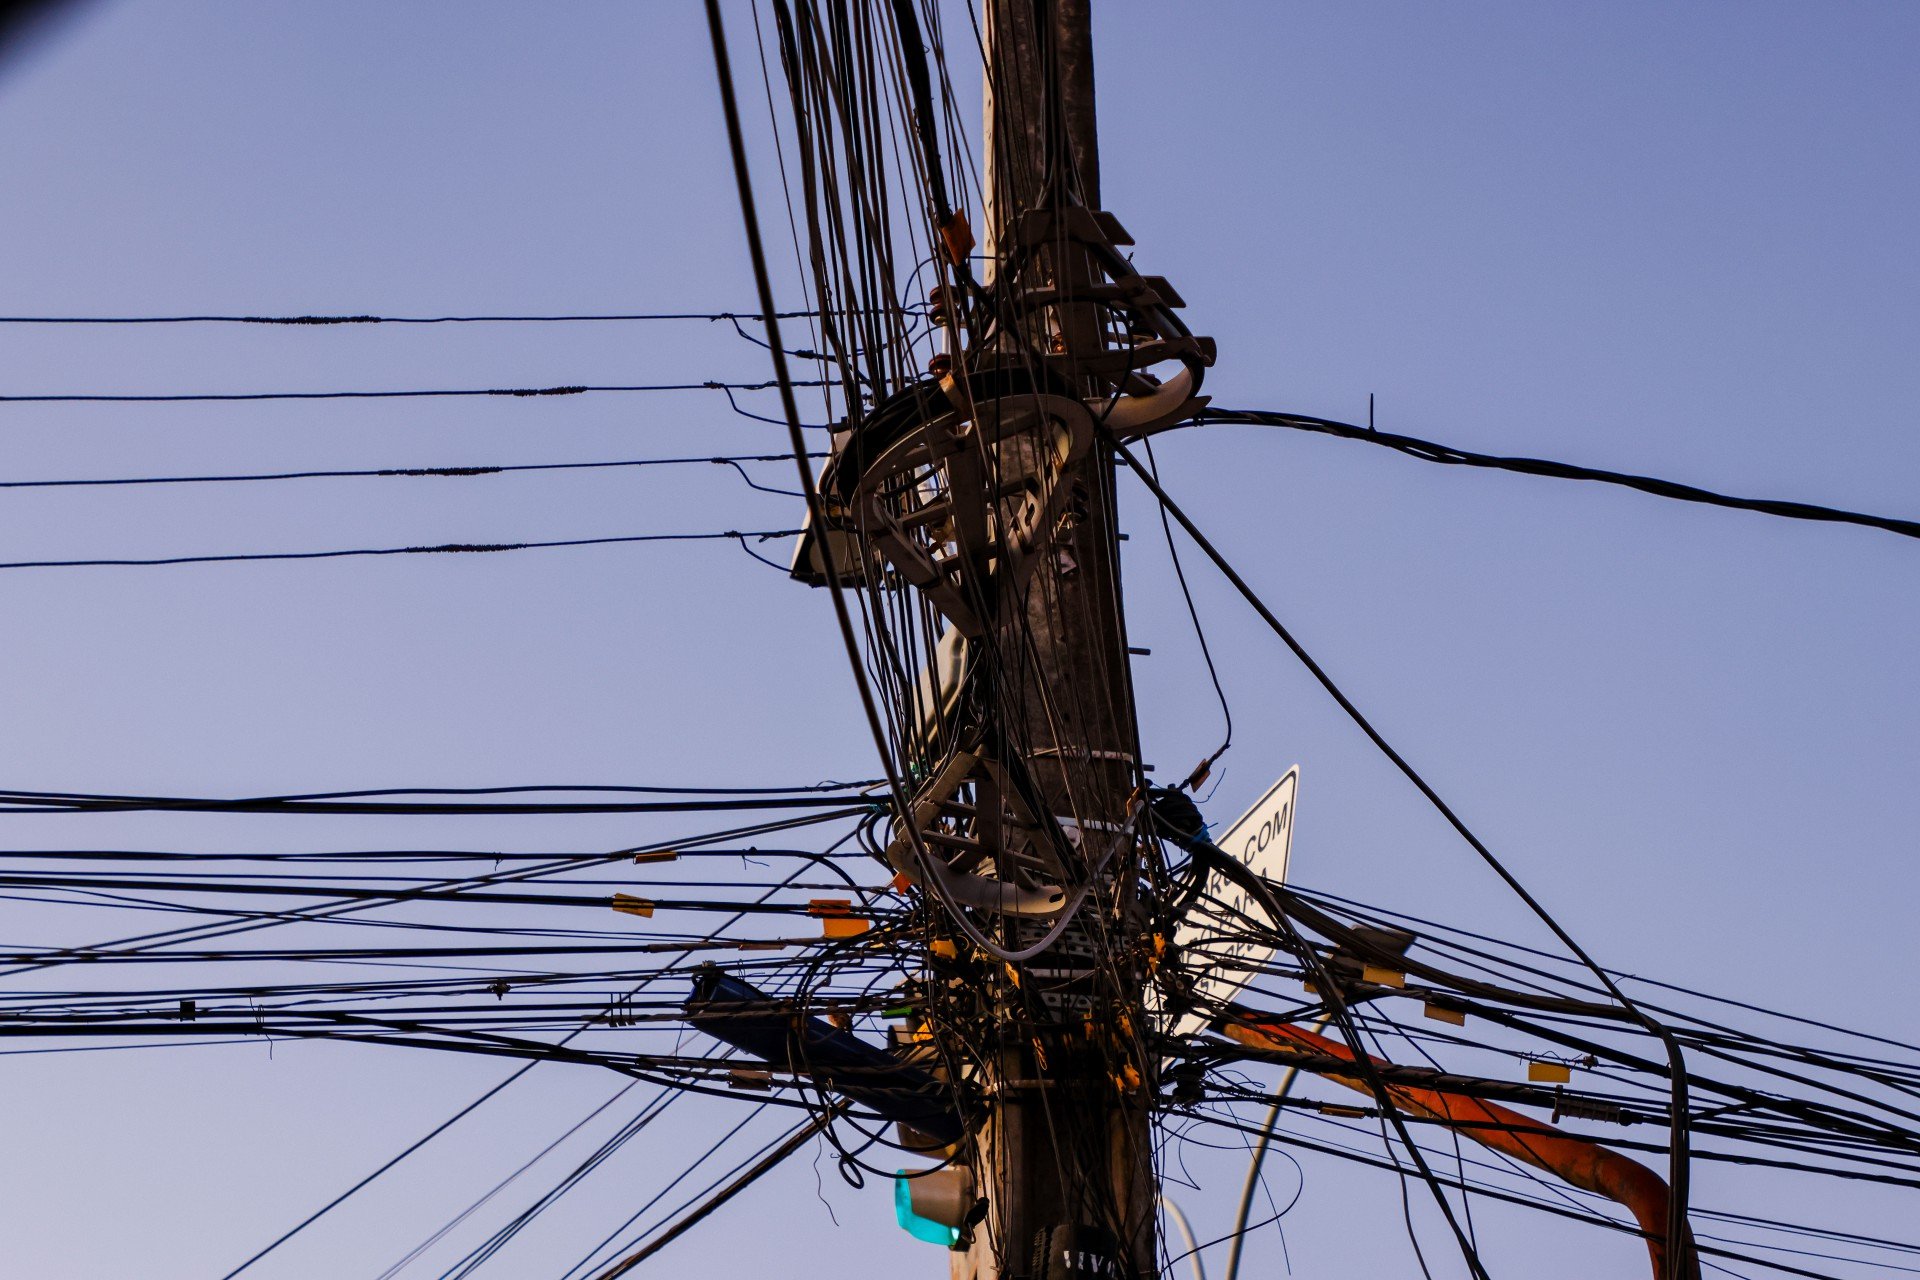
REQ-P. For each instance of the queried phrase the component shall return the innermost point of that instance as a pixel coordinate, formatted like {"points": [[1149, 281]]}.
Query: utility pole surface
{"points": [[1064, 1160]]}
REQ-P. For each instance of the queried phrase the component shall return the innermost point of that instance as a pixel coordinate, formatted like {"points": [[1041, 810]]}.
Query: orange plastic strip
{"points": [[1583, 1163]]}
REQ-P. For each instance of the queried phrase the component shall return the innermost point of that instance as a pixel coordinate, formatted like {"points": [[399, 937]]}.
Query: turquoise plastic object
{"points": [[912, 1223]]}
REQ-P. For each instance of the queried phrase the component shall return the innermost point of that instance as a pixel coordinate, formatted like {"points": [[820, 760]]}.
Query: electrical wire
{"points": [[1677, 1174], [13, 801], [1431, 451], [733, 460], [191, 397], [447, 548], [795, 1139], [322, 320]]}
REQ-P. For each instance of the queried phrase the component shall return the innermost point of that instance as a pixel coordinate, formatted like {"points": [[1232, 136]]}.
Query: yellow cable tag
{"points": [[1382, 976]]}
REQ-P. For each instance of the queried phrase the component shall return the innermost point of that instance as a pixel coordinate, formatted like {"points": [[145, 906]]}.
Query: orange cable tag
{"points": [[957, 235]]}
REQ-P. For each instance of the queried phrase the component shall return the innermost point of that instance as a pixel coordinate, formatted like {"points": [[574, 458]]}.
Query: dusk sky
{"points": [[1673, 239]]}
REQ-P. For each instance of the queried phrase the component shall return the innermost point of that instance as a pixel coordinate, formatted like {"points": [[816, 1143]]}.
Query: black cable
{"points": [[448, 548], [1677, 1172], [359, 856], [484, 1252], [407, 1259], [816, 510], [1369, 1069], [398, 1158], [771, 564], [153, 941], [794, 1141], [734, 460], [808, 788], [59, 802], [1430, 451], [431, 1134], [1200, 771], [1558, 1210], [314, 320], [358, 894], [567, 390]]}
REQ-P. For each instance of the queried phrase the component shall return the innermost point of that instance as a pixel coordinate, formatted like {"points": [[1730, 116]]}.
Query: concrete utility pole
{"points": [[1065, 1160]]}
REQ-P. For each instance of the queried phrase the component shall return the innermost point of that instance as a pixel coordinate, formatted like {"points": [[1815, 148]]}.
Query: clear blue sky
{"points": [[1676, 239]]}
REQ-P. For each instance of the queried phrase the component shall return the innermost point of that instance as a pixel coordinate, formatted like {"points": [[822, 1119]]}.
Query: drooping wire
{"points": [[323, 320], [418, 1143], [1200, 771], [192, 397], [817, 512], [1677, 1171], [484, 469], [1431, 451], [475, 1206], [447, 548]]}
